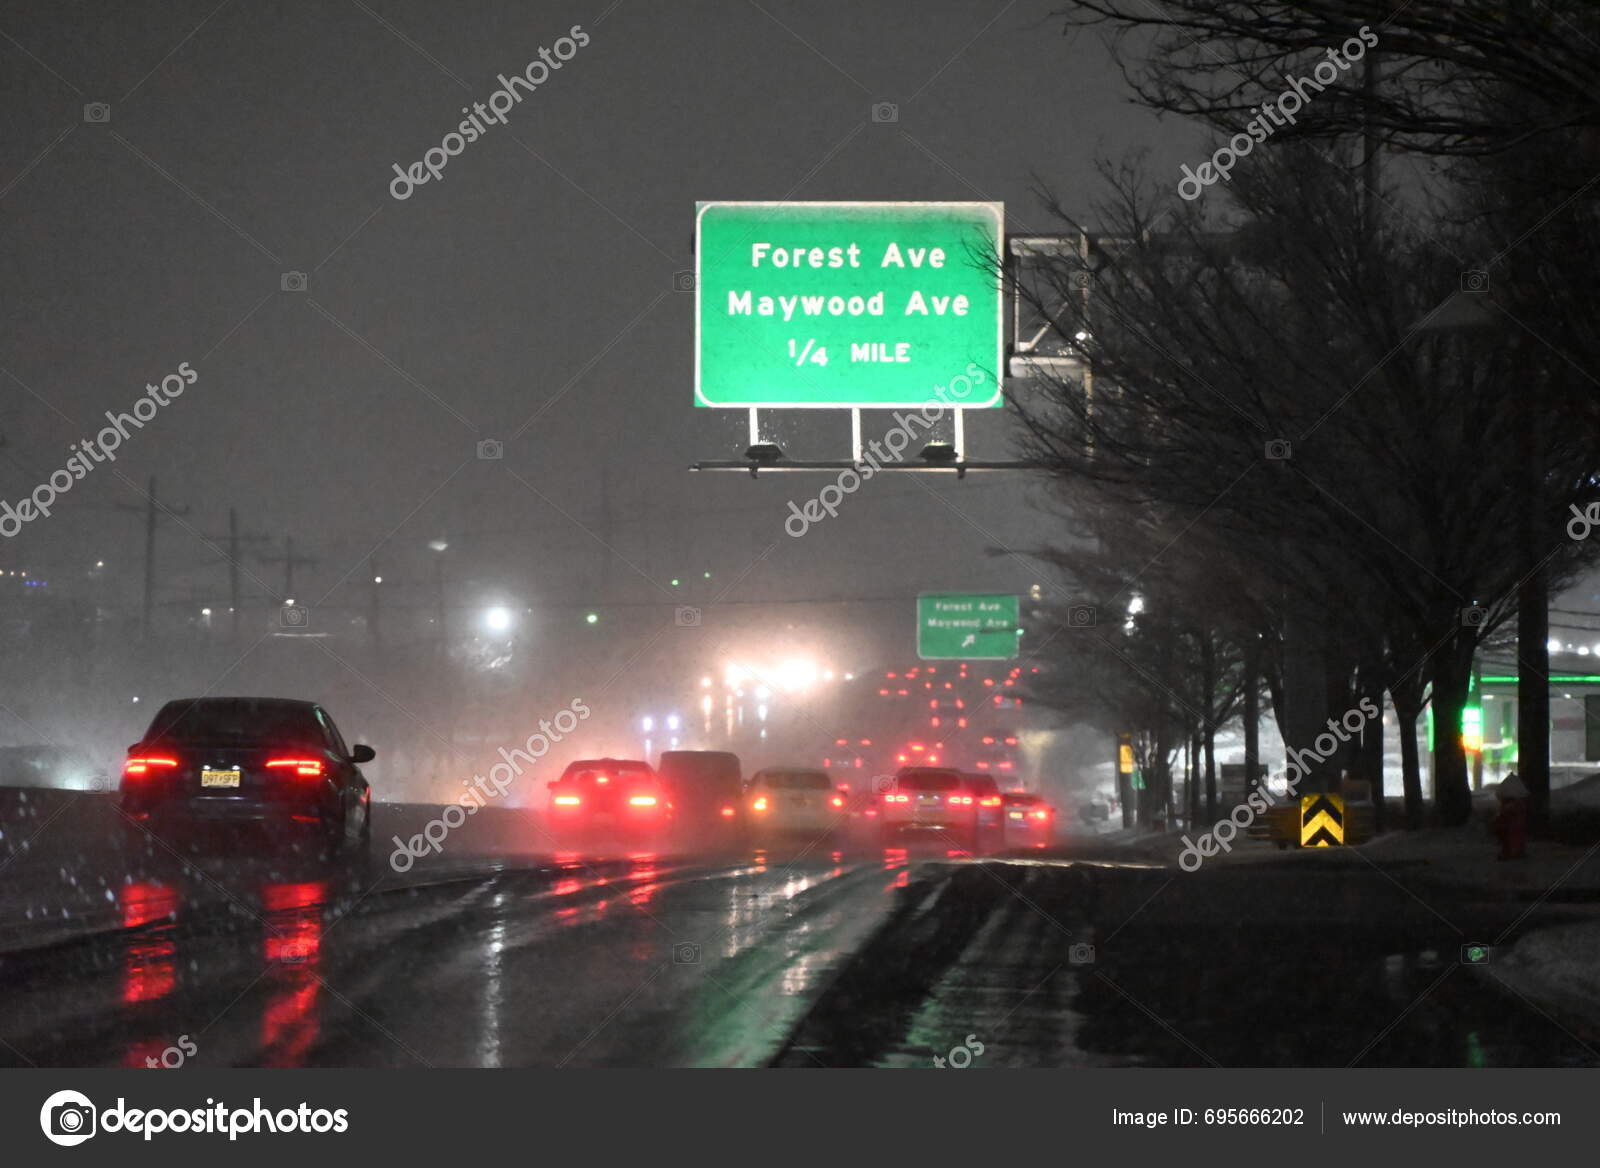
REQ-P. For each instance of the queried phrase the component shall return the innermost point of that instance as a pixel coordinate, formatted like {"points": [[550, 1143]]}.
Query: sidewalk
{"points": [[1555, 965], [1463, 860]]}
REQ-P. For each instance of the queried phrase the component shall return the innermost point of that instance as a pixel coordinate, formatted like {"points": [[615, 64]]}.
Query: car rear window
{"points": [[236, 722], [589, 772], [798, 780], [929, 780]]}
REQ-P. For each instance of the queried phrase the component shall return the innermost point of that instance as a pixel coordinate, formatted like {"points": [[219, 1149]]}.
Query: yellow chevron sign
{"points": [[1321, 821]]}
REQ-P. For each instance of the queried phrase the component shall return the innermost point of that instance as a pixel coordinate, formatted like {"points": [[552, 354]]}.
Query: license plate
{"points": [[219, 777], [1016, 815], [799, 801]]}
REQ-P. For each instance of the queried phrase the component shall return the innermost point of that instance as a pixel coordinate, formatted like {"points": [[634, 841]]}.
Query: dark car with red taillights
{"points": [[272, 762]]}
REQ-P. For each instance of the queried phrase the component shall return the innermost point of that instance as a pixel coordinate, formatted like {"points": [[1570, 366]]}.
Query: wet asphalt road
{"points": [[502, 952]]}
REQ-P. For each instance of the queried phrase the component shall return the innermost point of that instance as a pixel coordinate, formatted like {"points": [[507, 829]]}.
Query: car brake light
{"points": [[1040, 814], [641, 800], [306, 768], [566, 800], [727, 813], [836, 801], [142, 765], [963, 800], [990, 801], [602, 778], [760, 803], [897, 798]]}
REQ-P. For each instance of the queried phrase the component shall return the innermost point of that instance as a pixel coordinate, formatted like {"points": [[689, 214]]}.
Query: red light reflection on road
{"points": [[147, 967], [293, 943]]}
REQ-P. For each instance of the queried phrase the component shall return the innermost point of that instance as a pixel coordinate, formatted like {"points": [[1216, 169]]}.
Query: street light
{"points": [[498, 619]]}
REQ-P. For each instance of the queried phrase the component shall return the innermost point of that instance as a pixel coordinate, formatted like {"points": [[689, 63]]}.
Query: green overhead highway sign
{"points": [[873, 305], [964, 626]]}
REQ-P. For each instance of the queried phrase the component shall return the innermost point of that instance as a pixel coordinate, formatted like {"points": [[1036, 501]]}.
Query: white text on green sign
{"points": [[848, 304]]}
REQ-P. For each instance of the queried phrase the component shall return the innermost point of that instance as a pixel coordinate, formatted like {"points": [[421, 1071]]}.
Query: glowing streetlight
{"points": [[498, 619]]}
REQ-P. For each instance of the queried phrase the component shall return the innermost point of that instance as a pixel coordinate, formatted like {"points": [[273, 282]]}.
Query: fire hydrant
{"points": [[1511, 818]]}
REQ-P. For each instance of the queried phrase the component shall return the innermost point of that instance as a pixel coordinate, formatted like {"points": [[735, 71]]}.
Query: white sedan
{"points": [[792, 799]]}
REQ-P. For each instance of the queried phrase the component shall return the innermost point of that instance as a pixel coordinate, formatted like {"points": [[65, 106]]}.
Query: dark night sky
{"points": [[533, 282]]}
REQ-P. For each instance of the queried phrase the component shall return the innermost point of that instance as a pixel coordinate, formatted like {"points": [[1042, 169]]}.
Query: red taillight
{"points": [[897, 798], [836, 801], [727, 813], [760, 803], [990, 801], [305, 768], [641, 800], [566, 800], [1040, 814], [141, 765], [962, 800]]}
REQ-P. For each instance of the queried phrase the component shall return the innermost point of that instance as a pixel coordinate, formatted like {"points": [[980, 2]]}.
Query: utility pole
{"points": [[234, 541], [151, 518], [289, 559]]}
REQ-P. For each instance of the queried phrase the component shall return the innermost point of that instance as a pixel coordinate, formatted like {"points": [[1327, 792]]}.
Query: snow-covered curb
{"points": [[1560, 968]]}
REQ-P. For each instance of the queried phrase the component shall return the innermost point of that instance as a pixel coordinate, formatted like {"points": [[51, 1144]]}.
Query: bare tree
{"points": [[1271, 386]]}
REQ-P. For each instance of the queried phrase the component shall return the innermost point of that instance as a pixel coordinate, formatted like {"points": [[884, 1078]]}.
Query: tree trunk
{"points": [[1410, 767], [1191, 776], [1533, 694], [1452, 679], [1251, 715], [1370, 755], [1208, 683]]}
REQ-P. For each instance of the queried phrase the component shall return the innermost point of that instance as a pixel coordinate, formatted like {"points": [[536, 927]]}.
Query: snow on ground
{"points": [[1555, 966], [1559, 967]]}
